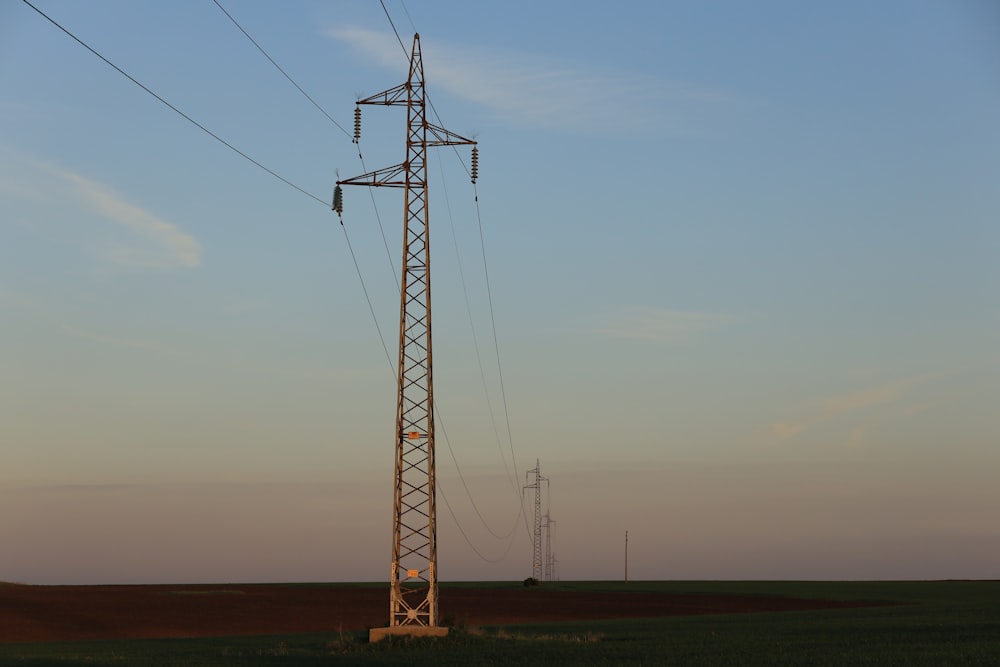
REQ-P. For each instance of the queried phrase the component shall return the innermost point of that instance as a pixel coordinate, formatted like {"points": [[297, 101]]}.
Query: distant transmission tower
{"points": [[549, 525], [413, 603], [536, 536]]}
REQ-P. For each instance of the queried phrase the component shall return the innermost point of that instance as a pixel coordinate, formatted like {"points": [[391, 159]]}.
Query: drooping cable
{"points": [[398, 38], [465, 536], [472, 329], [280, 69], [451, 450], [371, 309], [378, 219], [493, 323], [408, 17], [173, 108], [347, 237], [323, 111], [465, 485]]}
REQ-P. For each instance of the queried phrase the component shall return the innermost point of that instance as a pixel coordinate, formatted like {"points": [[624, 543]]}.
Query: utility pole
{"points": [[413, 602], [626, 556]]}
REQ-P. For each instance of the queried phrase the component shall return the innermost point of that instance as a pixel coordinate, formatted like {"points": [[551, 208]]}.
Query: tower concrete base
{"points": [[378, 634]]}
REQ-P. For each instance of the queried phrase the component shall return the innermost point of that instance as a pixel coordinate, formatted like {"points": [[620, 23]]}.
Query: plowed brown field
{"points": [[51, 613]]}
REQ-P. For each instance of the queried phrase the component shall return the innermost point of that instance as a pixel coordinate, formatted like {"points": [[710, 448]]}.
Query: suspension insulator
{"points": [[357, 124], [338, 200], [475, 163]]}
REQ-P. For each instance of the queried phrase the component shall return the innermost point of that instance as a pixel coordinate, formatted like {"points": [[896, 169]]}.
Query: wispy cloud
{"points": [[659, 325], [856, 402], [152, 242], [543, 91], [176, 246], [859, 436]]}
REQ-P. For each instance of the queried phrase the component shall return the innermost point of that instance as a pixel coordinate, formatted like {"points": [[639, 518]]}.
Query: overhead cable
{"points": [[398, 38], [175, 109], [280, 69]]}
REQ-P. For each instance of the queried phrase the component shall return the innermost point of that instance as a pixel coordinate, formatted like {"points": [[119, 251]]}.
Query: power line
{"points": [[378, 219], [493, 322], [465, 485], [175, 109], [350, 247], [408, 17], [398, 39], [280, 69], [466, 537], [472, 327], [364, 289]]}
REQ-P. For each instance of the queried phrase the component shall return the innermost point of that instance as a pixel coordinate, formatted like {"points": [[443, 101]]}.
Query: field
{"points": [[579, 623]]}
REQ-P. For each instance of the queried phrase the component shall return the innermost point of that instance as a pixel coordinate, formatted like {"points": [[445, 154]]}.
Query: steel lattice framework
{"points": [[549, 525], [413, 577], [536, 535]]}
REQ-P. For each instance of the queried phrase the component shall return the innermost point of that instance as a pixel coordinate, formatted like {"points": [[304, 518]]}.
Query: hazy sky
{"points": [[744, 274]]}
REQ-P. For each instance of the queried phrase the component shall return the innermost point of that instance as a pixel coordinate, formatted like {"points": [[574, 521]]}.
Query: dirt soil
{"points": [[53, 613]]}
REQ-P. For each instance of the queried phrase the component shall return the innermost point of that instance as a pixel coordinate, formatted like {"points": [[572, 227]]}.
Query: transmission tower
{"points": [[413, 602], [549, 526], [536, 536]]}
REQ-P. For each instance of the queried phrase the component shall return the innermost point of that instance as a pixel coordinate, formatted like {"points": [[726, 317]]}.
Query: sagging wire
{"points": [[172, 107]]}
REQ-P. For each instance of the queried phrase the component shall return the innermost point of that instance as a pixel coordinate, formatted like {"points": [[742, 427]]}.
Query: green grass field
{"points": [[930, 623]]}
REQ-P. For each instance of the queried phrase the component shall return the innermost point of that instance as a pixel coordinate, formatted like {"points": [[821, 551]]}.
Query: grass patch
{"points": [[932, 624]]}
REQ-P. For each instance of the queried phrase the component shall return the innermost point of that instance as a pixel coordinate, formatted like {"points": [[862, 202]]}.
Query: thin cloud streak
{"points": [[659, 325], [541, 91], [166, 244], [179, 247], [850, 403]]}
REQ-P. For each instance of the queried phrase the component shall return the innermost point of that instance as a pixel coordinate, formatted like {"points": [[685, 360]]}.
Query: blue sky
{"points": [[743, 271]]}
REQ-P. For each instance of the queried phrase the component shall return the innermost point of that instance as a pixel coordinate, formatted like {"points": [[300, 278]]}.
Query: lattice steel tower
{"points": [[536, 535], [549, 526], [413, 576]]}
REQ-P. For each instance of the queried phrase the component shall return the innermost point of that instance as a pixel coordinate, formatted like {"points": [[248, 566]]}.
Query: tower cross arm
{"points": [[438, 136], [396, 95], [388, 177]]}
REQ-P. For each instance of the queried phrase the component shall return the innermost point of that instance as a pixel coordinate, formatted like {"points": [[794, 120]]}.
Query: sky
{"points": [[729, 276]]}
